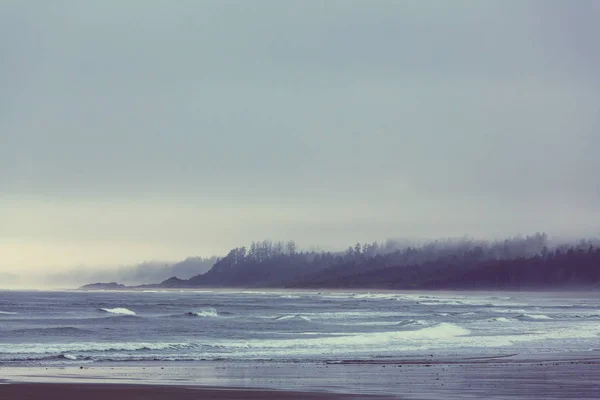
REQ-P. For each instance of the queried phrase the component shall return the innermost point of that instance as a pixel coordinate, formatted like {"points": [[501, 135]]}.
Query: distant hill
{"points": [[130, 275], [523, 262], [104, 286]]}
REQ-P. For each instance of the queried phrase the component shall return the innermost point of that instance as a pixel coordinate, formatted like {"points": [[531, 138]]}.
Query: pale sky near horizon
{"points": [[156, 130]]}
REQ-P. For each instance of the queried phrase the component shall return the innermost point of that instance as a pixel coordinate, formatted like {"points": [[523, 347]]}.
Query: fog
{"points": [[161, 130]]}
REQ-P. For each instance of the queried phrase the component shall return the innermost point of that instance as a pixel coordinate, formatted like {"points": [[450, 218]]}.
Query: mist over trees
{"points": [[143, 273], [520, 262]]}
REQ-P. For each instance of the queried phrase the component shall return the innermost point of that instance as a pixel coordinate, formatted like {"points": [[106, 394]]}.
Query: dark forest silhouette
{"points": [[517, 263]]}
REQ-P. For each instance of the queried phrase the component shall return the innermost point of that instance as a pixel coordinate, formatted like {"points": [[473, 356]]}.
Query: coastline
{"points": [[91, 391], [549, 376]]}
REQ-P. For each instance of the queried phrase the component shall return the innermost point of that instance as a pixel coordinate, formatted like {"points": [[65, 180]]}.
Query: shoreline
{"points": [[549, 376], [116, 391]]}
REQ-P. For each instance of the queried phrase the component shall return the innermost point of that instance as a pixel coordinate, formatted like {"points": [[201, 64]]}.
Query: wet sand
{"points": [[90, 391], [550, 376]]}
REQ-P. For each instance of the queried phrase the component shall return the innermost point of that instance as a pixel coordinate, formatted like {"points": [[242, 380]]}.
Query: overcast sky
{"points": [[155, 130]]}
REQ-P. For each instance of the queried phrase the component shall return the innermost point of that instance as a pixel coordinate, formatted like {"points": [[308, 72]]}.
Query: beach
{"points": [[553, 376], [147, 392]]}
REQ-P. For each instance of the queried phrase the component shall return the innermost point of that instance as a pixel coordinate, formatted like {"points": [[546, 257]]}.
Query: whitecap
{"points": [[441, 303], [412, 322], [207, 312], [404, 339], [499, 319], [533, 317], [292, 317], [118, 311], [68, 348], [509, 310]]}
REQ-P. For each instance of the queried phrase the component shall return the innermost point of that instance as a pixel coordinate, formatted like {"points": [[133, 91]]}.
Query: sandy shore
{"points": [[91, 391], [552, 376]]}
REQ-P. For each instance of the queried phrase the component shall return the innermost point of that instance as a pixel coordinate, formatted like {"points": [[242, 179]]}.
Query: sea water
{"points": [[83, 327]]}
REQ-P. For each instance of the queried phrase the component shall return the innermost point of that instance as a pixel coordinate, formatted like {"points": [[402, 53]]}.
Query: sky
{"points": [[156, 130]]}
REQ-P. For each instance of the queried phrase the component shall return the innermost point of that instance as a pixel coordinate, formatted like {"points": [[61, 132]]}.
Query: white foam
{"points": [[379, 296], [368, 323], [7, 313], [207, 312], [294, 317], [256, 292], [403, 339], [351, 315], [509, 310], [118, 311], [533, 317], [499, 319], [67, 348], [413, 322], [335, 295], [441, 303], [70, 357]]}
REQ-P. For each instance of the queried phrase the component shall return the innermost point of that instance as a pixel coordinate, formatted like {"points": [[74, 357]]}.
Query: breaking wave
{"points": [[7, 313], [44, 358], [509, 310], [118, 311], [440, 303], [533, 317], [412, 322], [403, 339], [499, 319], [207, 312], [296, 317], [68, 348]]}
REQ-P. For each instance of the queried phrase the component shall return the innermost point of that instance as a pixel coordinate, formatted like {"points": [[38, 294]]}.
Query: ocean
{"points": [[50, 328]]}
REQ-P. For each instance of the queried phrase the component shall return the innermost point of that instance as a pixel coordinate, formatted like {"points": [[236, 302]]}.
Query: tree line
{"points": [[520, 262]]}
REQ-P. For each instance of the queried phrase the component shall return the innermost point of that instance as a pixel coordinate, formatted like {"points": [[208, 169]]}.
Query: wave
{"points": [[118, 311], [394, 340], [440, 303], [592, 316], [259, 293], [7, 313], [207, 312], [58, 330], [589, 315], [458, 314], [44, 358], [533, 317], [296, 317], [85, 347], [412, 322], [377, 296], [499, 319], [438, 331], [509, 310], [353, 315]]}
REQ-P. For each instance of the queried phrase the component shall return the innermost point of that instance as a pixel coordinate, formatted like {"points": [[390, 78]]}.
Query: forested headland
{"points": [[517, 263]]}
